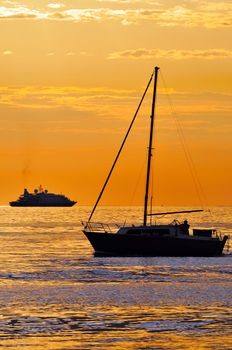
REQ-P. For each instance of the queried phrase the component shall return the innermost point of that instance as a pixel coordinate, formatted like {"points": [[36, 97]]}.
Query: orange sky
{"points": [[72, 74]]}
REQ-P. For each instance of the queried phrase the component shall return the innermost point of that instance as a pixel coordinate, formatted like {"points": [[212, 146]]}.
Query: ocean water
{"points": [[54, 294]]}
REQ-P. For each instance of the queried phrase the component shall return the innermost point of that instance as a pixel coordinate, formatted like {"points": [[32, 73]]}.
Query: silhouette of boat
{"points": [[148, 239], [42, 198]]}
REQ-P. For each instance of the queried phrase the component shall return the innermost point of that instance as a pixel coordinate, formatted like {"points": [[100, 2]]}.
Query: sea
{"points": [[55, 294]]}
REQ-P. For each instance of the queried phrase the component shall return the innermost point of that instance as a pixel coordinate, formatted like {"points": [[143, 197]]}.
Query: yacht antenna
{"points": [[150, 148]]}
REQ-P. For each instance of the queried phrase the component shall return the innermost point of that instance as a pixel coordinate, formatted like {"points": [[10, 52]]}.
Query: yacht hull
{"points": [[138, 245]]}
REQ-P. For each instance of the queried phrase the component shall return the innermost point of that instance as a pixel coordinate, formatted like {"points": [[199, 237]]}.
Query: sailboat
{"points": [[149, 239]]}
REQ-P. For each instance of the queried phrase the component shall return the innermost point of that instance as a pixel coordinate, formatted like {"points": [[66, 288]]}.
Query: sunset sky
{"points": [[72, 75]]}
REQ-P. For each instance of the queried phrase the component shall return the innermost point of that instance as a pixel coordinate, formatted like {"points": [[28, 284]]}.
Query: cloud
{"points": [[55, 6], [7, 52], [109, 102], [190, 14], [12, 3], [98, 100], [143, 53], [72, 109], [20, 13], [149, 2]]}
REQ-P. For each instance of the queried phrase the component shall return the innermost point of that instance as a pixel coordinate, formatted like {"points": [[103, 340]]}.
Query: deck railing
{"points": [[100, 227]]}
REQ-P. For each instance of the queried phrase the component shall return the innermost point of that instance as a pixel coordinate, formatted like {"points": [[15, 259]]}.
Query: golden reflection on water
{"points": [[117, 328], [54, 294]]}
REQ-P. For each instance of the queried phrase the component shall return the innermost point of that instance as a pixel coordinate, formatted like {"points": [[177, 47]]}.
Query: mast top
{"points": [[156, 69]]}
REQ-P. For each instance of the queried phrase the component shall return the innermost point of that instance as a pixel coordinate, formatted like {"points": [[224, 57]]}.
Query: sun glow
{"points": [[72, 78]]}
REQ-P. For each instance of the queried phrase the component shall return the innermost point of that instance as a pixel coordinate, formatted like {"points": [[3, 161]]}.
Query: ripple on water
{"points": [[141, 325], [54, 294]]}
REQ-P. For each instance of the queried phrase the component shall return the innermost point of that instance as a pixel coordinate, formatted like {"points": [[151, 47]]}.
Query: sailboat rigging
{"points": [[151, 240]]}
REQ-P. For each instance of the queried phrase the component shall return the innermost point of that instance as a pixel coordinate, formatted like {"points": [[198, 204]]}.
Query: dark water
{"points": [[54, 294]]}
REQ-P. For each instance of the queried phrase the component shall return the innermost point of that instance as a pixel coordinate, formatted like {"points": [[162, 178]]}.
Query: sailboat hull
{"points": [[137, 245]]}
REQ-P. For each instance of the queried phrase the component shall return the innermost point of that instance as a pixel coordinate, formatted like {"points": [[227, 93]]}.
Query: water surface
{"points": [[54, 294]]}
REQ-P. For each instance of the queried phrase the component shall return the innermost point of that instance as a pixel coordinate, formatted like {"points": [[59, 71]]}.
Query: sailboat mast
{"points": [[150, 148]]}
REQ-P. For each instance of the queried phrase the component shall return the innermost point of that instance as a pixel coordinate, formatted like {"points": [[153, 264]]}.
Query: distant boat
{"points": [[174, 239], [42, 198]]}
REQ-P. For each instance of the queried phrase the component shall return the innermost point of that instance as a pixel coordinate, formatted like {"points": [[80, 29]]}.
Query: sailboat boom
{"points": [[176, 212]]}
